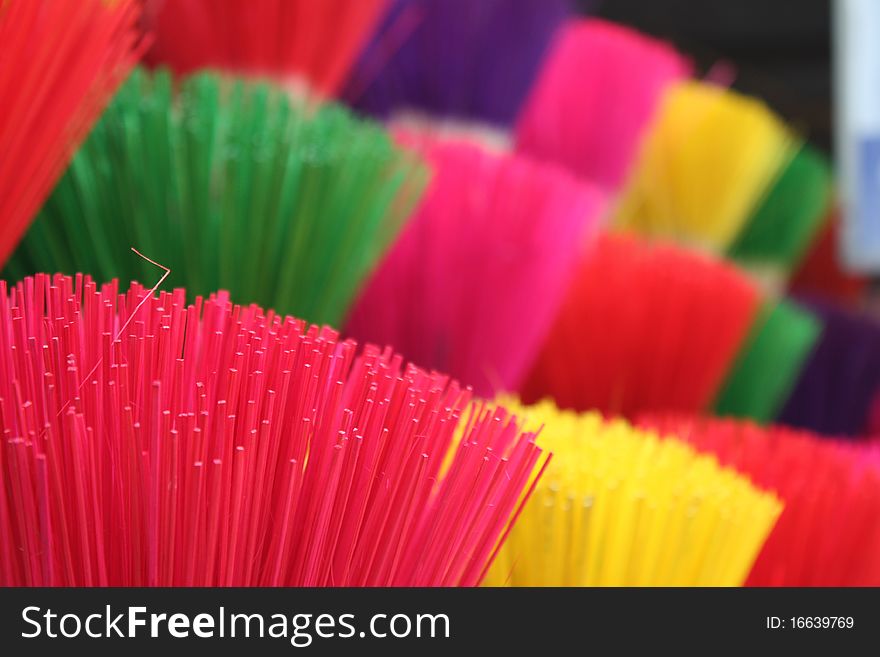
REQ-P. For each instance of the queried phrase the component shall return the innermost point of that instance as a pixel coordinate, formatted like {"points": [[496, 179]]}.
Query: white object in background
{"points": [[856, 51]]}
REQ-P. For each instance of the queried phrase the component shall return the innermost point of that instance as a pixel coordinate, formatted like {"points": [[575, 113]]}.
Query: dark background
{"points": [[780, 49]]}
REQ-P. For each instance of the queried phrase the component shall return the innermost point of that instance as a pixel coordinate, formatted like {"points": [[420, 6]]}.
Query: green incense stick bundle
{"points": [[769, 362], [785, 223], [233, 186]]}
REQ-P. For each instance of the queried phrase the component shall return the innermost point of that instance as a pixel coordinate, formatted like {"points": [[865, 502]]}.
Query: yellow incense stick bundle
{"points": [[619, 506], [705, 165]]}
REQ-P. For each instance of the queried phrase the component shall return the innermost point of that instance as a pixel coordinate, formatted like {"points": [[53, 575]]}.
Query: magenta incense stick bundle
{"points": [[151, 442], [475, 279], [595, 97]]}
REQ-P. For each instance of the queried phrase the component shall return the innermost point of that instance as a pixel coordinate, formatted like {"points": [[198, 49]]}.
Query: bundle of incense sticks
{"points": [[151, 442], [455, 58], [595, 98], [232, 186], [475, 279], [61, 61], [820, 272], [785, 223], [644, 327], [769, 362], [828, 533], [316, 42], [707, 162], [620, 506], [834, 391]]}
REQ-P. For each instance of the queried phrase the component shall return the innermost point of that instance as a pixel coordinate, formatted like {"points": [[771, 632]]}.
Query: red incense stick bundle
{"points": [[828, 534], [151, 442], [476, 277], [821, 272], [644, 327], [61, 61], [313, 41]]}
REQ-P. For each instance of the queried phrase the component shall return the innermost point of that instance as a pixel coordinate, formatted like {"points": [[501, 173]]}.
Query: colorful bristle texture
{"points": [[827, 534], [787, 220], [769, 362], [619, 506], [232, 187], [455, 58], [594, 99], [836, 387], [309, 42], [704, 167], [61, 61], [821, 271], [151, 442], [475, 279], [644, 326]]}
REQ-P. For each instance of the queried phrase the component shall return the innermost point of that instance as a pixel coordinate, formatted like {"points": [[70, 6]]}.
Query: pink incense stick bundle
{"points": [[315, 41], [595, 96], [828, 533], [61, 61], [644, 327], [151, 442], [475, 279]]}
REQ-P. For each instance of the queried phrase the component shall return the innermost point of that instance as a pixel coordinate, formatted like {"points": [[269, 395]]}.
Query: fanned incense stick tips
{"points": [[594, 99], [232, 187], [61, 61], [769, 363], [150, 442], [787, 220], [834, 391], [300, 40], [705, 165], [619, 506], [456, 58], [644, 327], [828, 533], [475, 279]]}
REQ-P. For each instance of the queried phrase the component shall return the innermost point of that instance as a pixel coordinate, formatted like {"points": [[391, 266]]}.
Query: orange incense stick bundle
{"points": [[644, 327], [828, 534], [150, 442], [316, 42], [61, 61]]}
